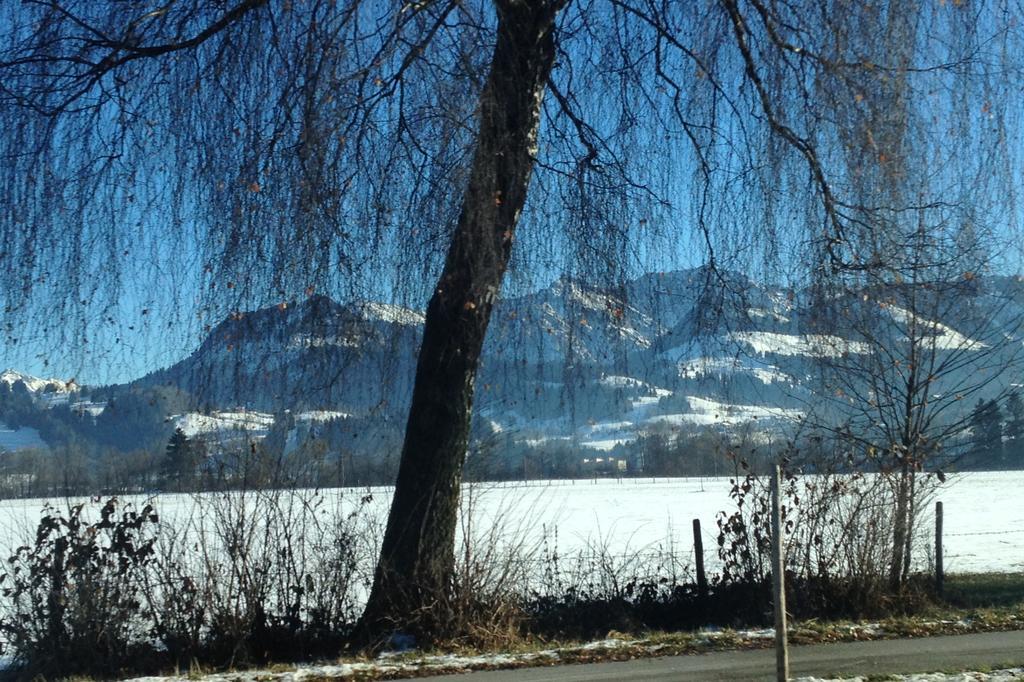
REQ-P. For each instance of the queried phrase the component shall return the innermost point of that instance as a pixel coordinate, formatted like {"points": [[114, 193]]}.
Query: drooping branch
{"points": [[835, 236], [87, 71]]}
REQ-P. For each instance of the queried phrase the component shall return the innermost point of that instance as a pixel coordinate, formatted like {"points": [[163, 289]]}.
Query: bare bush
{"points": [[494, 563], [73, 599], [838, 529], [265, 571], [602, 587], [239, 577]]}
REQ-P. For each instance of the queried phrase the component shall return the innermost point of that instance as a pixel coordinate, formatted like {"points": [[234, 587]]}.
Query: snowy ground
{"points": [[21, 438], [811, 345], [252, 424], [627, 518]]}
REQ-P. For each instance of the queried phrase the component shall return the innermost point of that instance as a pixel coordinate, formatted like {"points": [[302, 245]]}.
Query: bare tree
{"points": [[916, 244], [354, 146], [919, 341]]}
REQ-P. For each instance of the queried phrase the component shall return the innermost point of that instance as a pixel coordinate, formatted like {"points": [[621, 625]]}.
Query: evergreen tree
{"points": [[134, 420], [1013, 449], [276, 441], [180, 460], [987, 443], [20, 393]]}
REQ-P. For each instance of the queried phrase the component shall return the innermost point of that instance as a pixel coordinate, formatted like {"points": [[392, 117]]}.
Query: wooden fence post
{"points": [[698, 553], [939, 569], [779, 580]]}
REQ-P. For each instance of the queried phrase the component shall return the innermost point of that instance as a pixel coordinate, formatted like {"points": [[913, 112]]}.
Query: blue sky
{"points": [[153, 308]]}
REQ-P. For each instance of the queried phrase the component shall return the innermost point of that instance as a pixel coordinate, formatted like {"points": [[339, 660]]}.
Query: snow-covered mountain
{"points": [[35, 384], [572, 362], [317, 354]]}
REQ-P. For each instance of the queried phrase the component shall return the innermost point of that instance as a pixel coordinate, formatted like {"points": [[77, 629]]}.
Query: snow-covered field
{"points": [[811, 345], [622, 520], [22, 438], [252, 424], [983, 516], [225, 427], [709, 412]]}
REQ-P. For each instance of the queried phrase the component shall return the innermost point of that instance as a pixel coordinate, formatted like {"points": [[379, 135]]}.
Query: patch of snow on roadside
{"points": [[610, 643], [412, 663], [388, 663], [1006, 675], [763, 633]]}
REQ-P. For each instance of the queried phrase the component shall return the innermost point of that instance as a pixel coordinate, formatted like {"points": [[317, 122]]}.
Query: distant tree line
{"points": [[132, 447], [996, 439]]}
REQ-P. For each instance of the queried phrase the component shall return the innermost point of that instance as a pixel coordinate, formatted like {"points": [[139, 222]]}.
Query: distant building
{"points": [[603, 466]]}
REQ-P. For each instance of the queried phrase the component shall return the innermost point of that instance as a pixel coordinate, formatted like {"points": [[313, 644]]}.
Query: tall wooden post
{"points": [[939, 570], [779, 580], [698, 553]]}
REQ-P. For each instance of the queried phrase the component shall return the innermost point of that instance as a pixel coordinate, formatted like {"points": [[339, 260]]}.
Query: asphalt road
{"points": [[929, 654]]}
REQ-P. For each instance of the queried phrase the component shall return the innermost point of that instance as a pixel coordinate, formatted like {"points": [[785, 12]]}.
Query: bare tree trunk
{"points": [[908, 541], [899, 531], [412, 583]]}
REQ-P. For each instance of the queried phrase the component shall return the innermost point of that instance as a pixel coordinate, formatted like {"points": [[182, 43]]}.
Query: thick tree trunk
{"points": [[412, 584]]}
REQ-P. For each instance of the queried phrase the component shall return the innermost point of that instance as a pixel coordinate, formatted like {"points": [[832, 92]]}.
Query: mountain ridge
{"points": [[571, 363]]}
